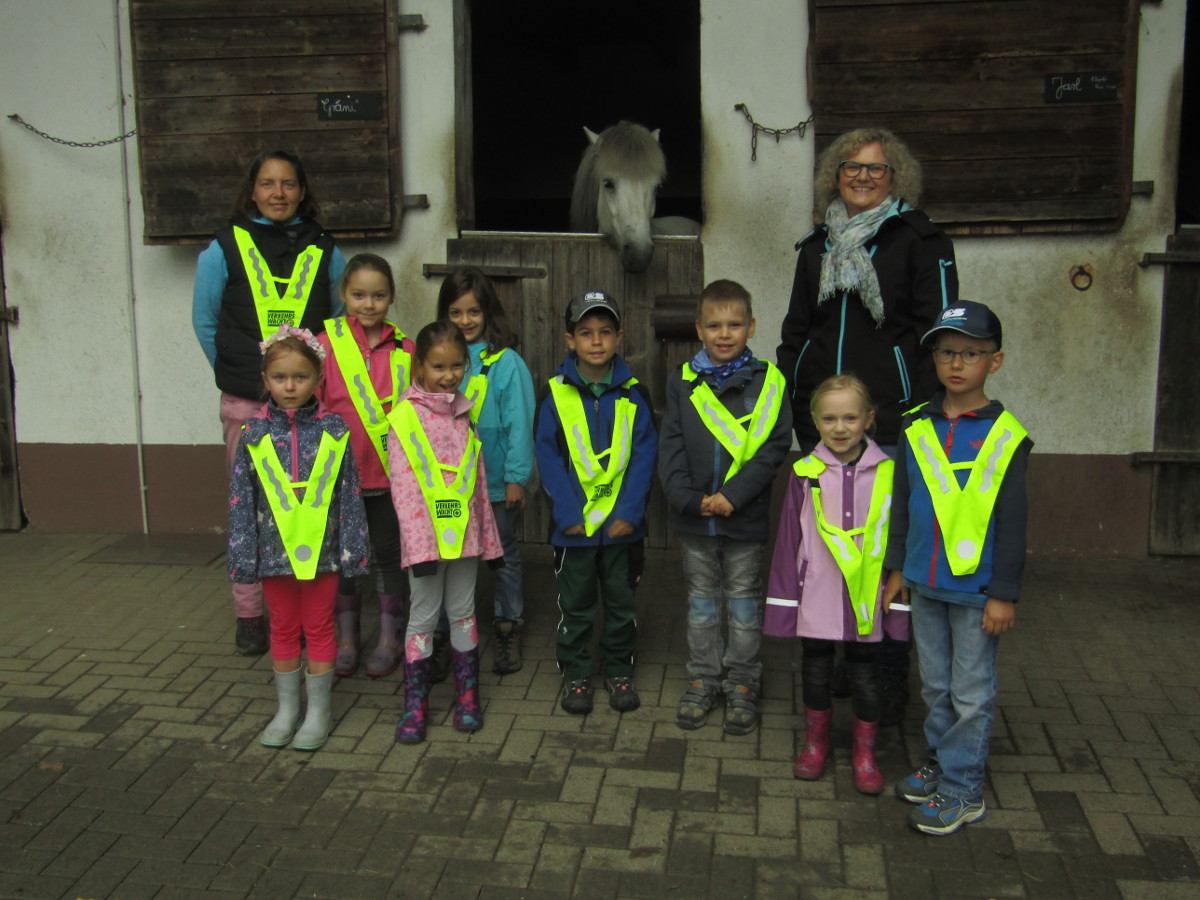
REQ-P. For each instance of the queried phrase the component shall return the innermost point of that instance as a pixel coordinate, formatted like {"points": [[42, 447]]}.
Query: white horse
{"points": [[615, 189]]}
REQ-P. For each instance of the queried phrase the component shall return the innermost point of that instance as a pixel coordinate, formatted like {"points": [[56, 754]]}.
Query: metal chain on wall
{"points": [[16, 118], [799, 129]]}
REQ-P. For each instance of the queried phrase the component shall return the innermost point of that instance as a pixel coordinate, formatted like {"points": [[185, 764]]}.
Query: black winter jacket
{"points": [[914, 261]]}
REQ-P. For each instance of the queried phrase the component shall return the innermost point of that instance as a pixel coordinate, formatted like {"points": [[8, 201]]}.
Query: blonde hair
{"points": [[906, 171], [840, 383]]}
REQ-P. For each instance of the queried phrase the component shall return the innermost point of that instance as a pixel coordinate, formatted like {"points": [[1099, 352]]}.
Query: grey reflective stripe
{"points": [[401, 375], [935, 467], [304, 275], [323, 481], [884, 514], [584, 457], [252, 252], [769, 403], [369, 407], [989, 470], [281, 491], [467, 471], [624, 436], [718, 422], [418, 448]]}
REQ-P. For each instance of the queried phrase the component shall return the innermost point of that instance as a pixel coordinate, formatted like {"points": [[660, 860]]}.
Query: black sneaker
{"points": [[622, 695], [251, 638], [508, 648], [577, 696]]}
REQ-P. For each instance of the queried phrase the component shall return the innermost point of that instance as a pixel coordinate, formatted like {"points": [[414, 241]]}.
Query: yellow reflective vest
{"points": [[477, 385], [600, 479], [449, 505], [301, 522], [371, 408], [277, 301], [861, 567], [745, 436], [964, 513]]}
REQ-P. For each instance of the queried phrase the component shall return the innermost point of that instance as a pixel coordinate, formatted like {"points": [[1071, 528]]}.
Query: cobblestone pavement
{"points": [[129, 765]]}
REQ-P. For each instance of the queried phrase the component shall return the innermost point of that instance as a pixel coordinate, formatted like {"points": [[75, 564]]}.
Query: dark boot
{"points": [[251, 638], [811, 762], [393, 614], [468, 716], [508, 648], [441, 657], [347, 609], [411, 729], [867, 777]]}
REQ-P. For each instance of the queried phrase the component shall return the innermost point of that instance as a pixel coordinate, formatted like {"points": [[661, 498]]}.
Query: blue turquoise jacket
{"points": [[505, 425], [558, 473], [914, 538]]}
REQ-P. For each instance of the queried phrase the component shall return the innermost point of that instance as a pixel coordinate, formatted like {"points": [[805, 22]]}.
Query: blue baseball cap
{"points": [[969, 318]]}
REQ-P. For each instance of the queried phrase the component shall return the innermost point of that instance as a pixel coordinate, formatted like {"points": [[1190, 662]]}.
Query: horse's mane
{"points": [[627, 148]]}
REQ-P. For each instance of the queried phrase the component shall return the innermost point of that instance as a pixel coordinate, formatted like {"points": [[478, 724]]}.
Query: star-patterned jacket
{"points": [[255, 548]]}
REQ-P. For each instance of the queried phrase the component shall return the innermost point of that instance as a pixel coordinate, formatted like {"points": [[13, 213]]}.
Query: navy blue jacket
{"points": [[558, 472]]}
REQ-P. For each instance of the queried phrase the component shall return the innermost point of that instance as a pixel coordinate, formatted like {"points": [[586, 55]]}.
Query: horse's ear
{"points": [[591, 135], [654, 134]]}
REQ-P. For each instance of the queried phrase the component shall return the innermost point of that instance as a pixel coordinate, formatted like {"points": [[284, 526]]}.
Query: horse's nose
{"points": [[636, 258]]}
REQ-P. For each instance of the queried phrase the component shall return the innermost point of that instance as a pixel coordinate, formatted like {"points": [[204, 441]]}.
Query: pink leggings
{"points": [[306, 605]]}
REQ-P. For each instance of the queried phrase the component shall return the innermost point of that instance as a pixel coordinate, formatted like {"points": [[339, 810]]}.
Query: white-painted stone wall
{"points": [[1081, 367]]}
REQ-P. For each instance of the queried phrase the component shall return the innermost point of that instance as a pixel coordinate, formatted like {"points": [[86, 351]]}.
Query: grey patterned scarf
{"points": [[847, 265]]}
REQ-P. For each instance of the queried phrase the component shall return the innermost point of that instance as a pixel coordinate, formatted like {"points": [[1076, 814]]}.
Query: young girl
{"points": [[826, 580], [499, 383], [295, 520], [439, 488], [369, 367]]}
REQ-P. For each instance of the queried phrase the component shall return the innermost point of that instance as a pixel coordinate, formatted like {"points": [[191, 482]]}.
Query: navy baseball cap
{"points": [[587, 302], [969, 318]]}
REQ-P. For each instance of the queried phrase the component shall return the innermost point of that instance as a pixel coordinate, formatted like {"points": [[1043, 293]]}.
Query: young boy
{"points": [[956, 547], [595, 444], [727, 429]]}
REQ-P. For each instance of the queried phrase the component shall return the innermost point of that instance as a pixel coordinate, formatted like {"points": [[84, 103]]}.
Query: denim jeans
{"points": [[958, 685], [715, 569], [510, 591]]}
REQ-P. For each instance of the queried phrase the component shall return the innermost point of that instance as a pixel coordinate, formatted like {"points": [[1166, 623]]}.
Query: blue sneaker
{"points": [[943, 815], [921, 784]]}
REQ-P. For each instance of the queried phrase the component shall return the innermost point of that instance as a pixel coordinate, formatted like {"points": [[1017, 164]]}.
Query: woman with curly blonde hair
{"points": [[870, 280]]}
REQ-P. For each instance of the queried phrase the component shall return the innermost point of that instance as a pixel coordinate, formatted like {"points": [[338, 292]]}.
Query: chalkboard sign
{"points": [[350, 105], [1082, 87]]}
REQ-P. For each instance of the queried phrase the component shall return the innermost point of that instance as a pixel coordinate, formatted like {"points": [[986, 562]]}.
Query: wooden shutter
{"points": [[217, 81], [1020, 111]]}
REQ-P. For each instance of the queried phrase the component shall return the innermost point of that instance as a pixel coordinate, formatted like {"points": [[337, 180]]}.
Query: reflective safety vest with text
{"points": [[301, 522], [963, 513], [277, 301], [861, 567], [600, 479]]}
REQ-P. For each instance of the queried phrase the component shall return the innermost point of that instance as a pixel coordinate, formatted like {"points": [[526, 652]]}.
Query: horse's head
{"points": [[615, 189]]}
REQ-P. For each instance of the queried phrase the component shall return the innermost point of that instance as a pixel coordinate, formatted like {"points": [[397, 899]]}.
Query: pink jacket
{"points": [[806, 595], [335, 395], [447, 422]]}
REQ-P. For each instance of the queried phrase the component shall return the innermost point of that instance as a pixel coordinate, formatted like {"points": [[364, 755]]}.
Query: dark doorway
{"points": [[544, 69], [1187, 205]]}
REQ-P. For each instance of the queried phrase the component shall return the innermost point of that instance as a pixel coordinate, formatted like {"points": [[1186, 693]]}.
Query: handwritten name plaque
{"points": [[350, 105], [1082, 87]]}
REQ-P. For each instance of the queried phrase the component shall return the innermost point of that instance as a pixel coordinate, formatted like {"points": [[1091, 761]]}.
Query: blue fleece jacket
{"points": [[558, 472], [505, 425]]}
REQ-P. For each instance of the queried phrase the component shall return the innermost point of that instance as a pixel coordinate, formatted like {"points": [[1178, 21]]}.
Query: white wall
{"points": [[1080, 368]]}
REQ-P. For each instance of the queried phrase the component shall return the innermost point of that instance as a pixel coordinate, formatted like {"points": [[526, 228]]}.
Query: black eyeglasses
{"points": [[970, 357], [875, 171]]}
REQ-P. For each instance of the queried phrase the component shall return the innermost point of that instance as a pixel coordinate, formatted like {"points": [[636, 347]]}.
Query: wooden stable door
{"points": [[537, 274]]}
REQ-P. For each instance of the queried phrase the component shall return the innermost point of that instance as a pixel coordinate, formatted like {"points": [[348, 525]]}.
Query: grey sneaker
{"points": [[944, 815], [921, 784], [695, 704]]}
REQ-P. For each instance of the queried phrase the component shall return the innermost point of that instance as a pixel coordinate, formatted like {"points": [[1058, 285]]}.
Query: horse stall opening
{"points": [[535, 276], [534, 74]]}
